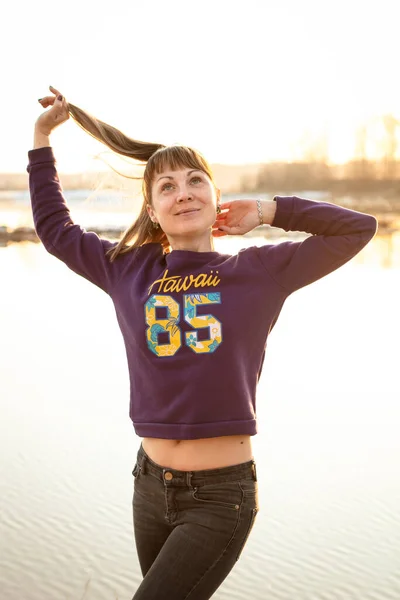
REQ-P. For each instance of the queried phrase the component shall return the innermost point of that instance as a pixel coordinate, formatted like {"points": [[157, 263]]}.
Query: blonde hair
{"points": [[157, 158]]}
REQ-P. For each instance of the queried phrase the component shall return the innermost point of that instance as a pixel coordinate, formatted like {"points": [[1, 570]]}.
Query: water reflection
{"points": [[385, 250], [328, 449]]}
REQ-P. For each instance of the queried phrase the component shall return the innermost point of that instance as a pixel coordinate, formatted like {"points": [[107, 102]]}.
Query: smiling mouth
{"points": [[188, 212]]}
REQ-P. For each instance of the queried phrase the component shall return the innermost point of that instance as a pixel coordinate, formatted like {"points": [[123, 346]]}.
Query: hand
{"points": [[240, 216], [57, 114]]}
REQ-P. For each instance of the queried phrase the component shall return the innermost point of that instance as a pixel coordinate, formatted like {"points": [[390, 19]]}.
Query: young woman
{"points": [[195, 324]]}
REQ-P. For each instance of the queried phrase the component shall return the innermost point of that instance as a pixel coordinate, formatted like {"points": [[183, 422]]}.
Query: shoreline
{"points": [[388, 224]]}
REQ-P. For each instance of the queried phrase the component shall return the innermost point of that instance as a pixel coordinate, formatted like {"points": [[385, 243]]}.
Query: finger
{"points": [[218, 233], [58, 102], [59, 108], [216, 226], [225, 205], [46, 101], [54, 90], [230, 230], [59, 98]]}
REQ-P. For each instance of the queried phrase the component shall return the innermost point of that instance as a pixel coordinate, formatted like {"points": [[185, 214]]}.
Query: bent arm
{"points": [[338, 234], [83, 252]]}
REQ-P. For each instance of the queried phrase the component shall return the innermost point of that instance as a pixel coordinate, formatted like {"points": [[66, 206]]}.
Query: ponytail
{"points": [[142, 230], [156, 157], [112, 137]]}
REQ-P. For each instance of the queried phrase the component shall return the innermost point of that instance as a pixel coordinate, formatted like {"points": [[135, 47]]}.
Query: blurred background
{"points": [[282, 98]]}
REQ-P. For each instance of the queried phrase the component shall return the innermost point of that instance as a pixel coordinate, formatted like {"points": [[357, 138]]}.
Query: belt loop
{"points": [[254, 470], [189, 475]]}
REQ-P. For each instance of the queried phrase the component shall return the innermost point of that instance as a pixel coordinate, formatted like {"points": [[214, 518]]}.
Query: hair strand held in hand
{"points": [[157, 158]]}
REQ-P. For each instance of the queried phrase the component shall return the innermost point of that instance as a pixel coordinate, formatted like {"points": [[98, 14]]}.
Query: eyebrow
{"points": [[170, 176]]}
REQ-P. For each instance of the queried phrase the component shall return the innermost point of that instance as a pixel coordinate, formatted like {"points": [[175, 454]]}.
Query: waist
{"points": [[243, 470], [204, 453]]}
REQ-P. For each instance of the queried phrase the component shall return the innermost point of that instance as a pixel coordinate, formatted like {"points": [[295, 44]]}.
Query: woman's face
{"points": [[183, 203]]}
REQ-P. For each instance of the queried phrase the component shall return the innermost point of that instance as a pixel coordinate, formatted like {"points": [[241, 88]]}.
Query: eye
{"points": [[165, 186], [196, 179]]}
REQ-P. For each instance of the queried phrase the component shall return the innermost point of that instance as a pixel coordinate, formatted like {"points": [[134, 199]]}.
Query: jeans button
{"points": [[168, 476]]}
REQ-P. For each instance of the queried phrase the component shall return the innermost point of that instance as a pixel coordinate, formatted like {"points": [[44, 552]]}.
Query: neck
{"points": [[192, 244]]}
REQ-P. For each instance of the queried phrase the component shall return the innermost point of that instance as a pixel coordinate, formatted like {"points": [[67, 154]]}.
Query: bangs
{"points": [[174, 158]]}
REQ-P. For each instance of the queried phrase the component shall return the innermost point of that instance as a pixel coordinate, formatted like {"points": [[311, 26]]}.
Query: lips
{"points": [[188, 211]]}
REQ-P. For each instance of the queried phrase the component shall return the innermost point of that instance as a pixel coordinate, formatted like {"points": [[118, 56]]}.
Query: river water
{"points": [[327, 451]]}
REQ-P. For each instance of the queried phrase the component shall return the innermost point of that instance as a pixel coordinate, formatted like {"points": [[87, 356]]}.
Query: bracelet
{"points": [[260, 215]]}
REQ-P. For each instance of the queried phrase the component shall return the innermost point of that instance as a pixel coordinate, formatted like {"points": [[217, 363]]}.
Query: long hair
{"points": [[156, 157]]}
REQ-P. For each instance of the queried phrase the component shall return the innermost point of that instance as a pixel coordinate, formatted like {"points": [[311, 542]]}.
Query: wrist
{"points": [[41, 138], [268, 210]]}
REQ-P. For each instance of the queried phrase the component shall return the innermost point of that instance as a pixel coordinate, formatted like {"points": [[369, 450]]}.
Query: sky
{"points": [[242, 82]]}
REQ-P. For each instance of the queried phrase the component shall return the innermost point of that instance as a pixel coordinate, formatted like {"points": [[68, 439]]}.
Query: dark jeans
{"points": [[190, 526]]}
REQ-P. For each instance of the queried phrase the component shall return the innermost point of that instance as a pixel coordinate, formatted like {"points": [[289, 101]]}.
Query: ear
{"points": [[218, 194], [150, 212]]}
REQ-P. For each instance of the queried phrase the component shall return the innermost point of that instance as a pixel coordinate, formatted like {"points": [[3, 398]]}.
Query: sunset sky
{"points": [[241, 81]]}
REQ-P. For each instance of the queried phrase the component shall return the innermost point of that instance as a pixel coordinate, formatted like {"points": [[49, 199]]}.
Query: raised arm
{"points": [[338, 234], [83, 252]]}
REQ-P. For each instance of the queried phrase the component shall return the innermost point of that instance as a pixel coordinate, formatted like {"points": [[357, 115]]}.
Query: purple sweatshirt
{"points": [[195, 324]]}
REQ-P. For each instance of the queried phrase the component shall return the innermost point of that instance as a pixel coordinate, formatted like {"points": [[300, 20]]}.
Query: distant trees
{"points": [[294, 175], [390, 164], [361, 173]]}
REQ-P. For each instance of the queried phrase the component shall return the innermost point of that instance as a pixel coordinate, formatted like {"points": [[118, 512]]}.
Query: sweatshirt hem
{"points": [[190, 431]]}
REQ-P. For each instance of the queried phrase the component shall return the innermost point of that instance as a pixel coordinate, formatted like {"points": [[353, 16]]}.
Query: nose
{"points": [[183, 194]]}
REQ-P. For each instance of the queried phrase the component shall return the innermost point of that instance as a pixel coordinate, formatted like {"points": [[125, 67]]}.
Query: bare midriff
{"points": [[203, 453]]}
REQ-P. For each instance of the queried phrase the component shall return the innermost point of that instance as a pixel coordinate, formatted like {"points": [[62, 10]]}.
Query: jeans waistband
{"points": [[246, 470]]}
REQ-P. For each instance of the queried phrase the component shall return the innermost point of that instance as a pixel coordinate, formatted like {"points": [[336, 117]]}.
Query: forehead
{"points": [[176, 173]]}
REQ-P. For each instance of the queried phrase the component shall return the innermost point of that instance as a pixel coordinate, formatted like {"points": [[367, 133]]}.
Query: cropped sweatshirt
{"points": [[195, 324]]}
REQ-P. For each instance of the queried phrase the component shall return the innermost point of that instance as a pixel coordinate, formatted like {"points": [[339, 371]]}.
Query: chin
{"points": [[192, 229]]}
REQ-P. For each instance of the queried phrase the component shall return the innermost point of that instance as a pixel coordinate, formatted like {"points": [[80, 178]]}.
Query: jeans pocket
{"points": [[249, 487], [253, 515], [219, 494]]}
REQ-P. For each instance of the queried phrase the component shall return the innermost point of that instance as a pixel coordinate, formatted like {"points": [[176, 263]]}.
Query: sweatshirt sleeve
{"points": [[83, 252], [338, 234]]}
